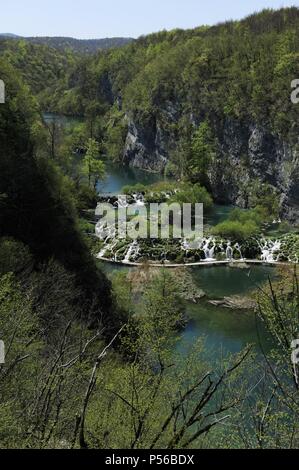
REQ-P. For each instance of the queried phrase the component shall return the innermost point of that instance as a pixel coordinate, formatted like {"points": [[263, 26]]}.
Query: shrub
{"points": [[236, 230], [137, 188], [193, 194], [171, 170]]}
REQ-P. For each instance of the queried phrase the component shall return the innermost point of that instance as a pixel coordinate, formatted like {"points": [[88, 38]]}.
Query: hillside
{"points": [[81, 46], [229, 84], [9, 36], [38, 214], [233, 78]]}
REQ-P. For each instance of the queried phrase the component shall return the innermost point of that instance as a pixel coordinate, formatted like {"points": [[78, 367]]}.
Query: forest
{"points": [[93, 356]]}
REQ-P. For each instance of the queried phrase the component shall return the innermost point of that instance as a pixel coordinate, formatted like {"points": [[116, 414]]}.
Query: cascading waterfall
{"points": [[209, 252], [196, 244], [109, 242], [105, 232], [269, 250], [132, 252], [107, 247], [229, 252], [139, 200], [122, 202], [238, 248]]}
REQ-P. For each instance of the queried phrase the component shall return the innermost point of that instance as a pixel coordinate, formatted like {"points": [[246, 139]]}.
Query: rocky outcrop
{"points": [[144, 147], [249, 152], [246, 151], [235, 303]]}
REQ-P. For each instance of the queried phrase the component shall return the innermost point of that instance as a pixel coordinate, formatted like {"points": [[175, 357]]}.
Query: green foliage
{"points": [[115, 136], [14, 257], [187, 83], [163, 312], [56, 389], [265, 199], [202, 153], [81, 46], [136, 188], [123, 291], [193, 194], [163, 186], [41, 67], [236, 230], [243, 224], [92, 166], [171, 170], [158, 388], [86, 198], [37, 203]]}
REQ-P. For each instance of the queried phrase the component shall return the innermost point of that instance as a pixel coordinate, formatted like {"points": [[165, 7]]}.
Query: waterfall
{"points": [[269, 250], [194, 244], [139, 200], [209, 252], [185, 245], [107, 247], [122, 202], [104, 231], [238, 248], [229, 252], [110, 241], [132, 251]]}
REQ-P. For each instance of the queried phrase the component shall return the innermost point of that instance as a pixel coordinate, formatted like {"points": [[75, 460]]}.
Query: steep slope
{"points": [[36, 207]]}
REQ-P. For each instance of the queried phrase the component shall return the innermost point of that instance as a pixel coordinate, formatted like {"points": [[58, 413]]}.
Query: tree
{"points": [[54, 131], [92, 166], [193, 194], [202, 154], [269, 417], [159, 399]]}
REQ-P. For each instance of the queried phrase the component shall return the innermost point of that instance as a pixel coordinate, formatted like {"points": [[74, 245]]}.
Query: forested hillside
{"points": [[231, 83], [42, 68], [92, 362], [60, 316], [65, 44], [38, 213]]}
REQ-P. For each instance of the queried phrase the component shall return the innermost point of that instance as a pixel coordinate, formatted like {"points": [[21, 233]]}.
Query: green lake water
{"points": [[119, 176], [225, 330]]}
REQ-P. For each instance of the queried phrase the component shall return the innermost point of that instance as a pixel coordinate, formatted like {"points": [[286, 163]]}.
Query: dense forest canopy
{"points": [[242, 70], [65, 44], [238, 69]]}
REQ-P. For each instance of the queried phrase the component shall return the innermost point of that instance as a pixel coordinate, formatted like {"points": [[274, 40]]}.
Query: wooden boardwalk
{"points": [[198, 264]]}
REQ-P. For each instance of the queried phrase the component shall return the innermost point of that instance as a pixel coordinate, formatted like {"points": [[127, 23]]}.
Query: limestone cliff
{"points": [[246, 151]]}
